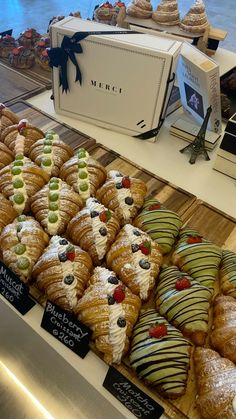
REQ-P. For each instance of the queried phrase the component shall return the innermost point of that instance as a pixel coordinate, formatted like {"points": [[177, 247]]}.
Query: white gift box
{"points": [[126, 78], [225, 161]]}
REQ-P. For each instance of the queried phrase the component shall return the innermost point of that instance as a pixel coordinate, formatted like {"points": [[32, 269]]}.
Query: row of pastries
{"points": [[96, 246]]}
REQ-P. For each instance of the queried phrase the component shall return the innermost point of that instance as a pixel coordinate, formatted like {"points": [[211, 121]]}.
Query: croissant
{"points": [[161, 224], [20, 180], [184, 302], [160, 354], [6, 155], [228, 273], [197, 256], [54, 205], [50, 153], [7, 212], [22, 242], [84, 173], [7, 118], [136, 258], [223, 336], [30, 133], [110, 310], [94, 229], [122, 194], [62, 272], [216, 384]]}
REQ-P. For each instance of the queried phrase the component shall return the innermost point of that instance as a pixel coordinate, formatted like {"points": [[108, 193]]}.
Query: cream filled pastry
{"points": [[140, 8], [62, 272], [228, 273], [31, 134], [7, 118], [110, 310], [160, 354], [184, 302], [136, 258], [167, 13], [94, 229]]}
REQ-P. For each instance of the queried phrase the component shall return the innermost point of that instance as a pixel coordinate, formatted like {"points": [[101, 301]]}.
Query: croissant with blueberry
{"points": [[110, 310], [6, 155], [22, 243], [136, 258], [7, 118], [7, 212], [28, 131], [54, 205], [62, 272]]}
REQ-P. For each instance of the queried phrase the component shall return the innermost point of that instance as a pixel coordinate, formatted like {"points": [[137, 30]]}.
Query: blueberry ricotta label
{"points": [[141, 405], [67, 329], [14, 290]]}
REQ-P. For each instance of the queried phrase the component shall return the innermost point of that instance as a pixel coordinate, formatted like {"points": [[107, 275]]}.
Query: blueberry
{"points": [[94, 214], [144, 264], [62, 257], [129, 200], [69, 279], [119, 185], [136, 233], [135, 247], [103, 231], [113, 280], [121, 322], [111, 300], [63, 242]]}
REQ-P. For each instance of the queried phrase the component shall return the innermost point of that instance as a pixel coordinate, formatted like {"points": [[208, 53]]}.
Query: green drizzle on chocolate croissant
{"points": [[164, 361], [161, 224], [228, 273]]}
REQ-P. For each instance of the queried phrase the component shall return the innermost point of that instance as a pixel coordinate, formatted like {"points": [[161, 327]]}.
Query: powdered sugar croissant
{"points": [[110, 310], [62, 272], [6, 155], [7, 118], [27, 130], [7, 212]]}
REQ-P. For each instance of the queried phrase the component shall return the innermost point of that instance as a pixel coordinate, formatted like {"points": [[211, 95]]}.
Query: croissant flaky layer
{"points": [[7, 118], [223, 336], [62, 272], [228, 273], [136, 259], [22, 243], [54, 205], [30, 133], [94, 229], [7, 212], [216, 385], [6, 155], [110, 310]]}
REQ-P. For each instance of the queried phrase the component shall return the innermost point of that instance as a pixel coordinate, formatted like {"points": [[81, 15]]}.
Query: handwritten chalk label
{"points": [[139, 403], [14, 290], [66, 328]]}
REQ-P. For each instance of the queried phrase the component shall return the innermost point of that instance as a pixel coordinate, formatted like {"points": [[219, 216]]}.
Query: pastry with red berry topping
{"points": [[6, 155], [50, 153], [160, 354], [198, 257], [21, 57], [83, 173], [62, 273], [228, 273], [141, 9], [7, 212], [104, 13], [94, 229], [122, 194], [7, 118], [41, 45], [29, 38], [22, 243], [184, 302], [161, 224], [7, 43], [28, 131], [110, 310], [54, 205], [43, 60], [136, 258]]}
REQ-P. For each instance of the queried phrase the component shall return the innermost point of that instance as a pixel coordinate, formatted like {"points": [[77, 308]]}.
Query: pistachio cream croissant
{"points": [[7, 118], [7, 212], [83, 173], [28, 131], [62, 272], [22, 242], [122, 194], [228, 273], [110, 310], [54, 205], [94, 229], [6, 155], [136, 258]]}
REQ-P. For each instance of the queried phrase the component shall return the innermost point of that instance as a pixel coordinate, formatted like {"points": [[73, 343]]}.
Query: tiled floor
{"points": [[21, 14]]}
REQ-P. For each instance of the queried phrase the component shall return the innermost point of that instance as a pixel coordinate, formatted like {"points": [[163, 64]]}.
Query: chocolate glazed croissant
{"points": [[94, 229], [54, 205], [110, 310], [83, 173], [216, 384], [50, 153], [22, 242], [62, 272], [6, 155], [136, 259], [7, 212], [223, 336], [30, 133], [122, 194], [7, 118]]}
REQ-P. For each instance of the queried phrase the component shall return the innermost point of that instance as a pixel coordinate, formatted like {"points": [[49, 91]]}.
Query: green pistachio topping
{"points": [[53, 186], [81, 153], [83, 186], [54, 180], [47, 150], [82, 164], [18, 198], [20, 249], [18, 163], [53, 206], [46, 161], [53, 197], [52, 218], [83, 175], [49, 137], [16, 171], [19, 157], [47, 142], [50, 131], [18, 183], [22, 218], [23, 263]]}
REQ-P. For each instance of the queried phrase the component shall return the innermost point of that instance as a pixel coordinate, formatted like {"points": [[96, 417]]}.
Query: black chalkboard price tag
{"points": [[14, 290], [134, 399], [66, 328]]}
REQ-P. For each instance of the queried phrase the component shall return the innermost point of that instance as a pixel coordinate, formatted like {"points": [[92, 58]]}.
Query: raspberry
{"points": [[145, 247], [119, 294], [158, 330], [194, 239], [182, 284], [126, 182], [154, 207]]}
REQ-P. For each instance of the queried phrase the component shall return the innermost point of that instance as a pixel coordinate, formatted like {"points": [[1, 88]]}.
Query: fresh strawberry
{"points": [[145, 247], [126, 182], [194, 239], [15, 51], [119, 294], [21, 125], [154, 207], [182, 284], [158, 330], [105, 216]]}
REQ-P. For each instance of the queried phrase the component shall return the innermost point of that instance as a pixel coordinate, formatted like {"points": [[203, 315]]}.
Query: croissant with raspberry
{"points": [[22, 243], [122, 194], [28, 131], [110, 310], [7, 118], [7, 212], [6, 155], [62, 273], [54, 205], [94, 229]]}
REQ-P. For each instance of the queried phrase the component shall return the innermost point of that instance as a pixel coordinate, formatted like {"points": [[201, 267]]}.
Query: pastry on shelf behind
{"points": [[167, 13]]}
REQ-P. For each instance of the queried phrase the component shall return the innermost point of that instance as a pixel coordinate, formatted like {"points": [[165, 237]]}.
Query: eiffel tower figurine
{"points": [[197, 146]]}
